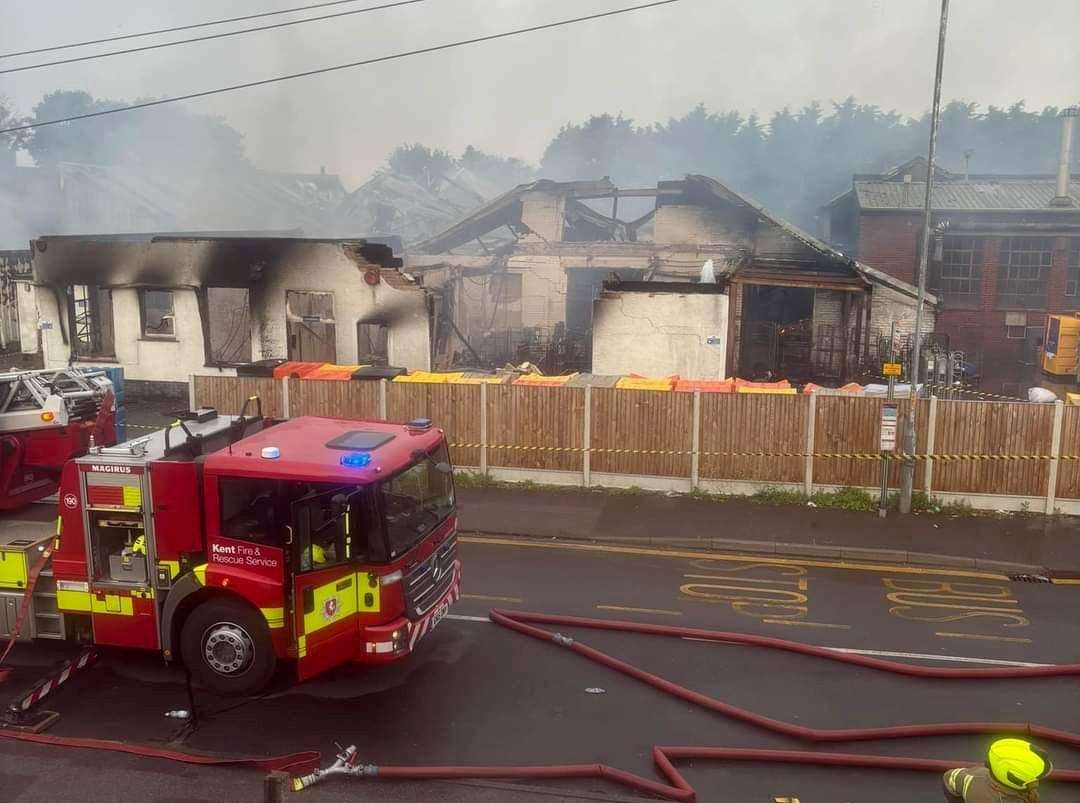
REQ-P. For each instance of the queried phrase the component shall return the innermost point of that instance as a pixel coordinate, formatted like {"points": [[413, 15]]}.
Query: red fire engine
{"points": [[46, 418], [233, 543]]}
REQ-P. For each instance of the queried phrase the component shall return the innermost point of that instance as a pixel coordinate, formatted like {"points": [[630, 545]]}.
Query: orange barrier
{"points": [[332, 372], [296, 369]]}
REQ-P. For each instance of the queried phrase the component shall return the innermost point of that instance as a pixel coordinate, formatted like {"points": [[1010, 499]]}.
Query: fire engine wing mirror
{"points": [[444, 468]]}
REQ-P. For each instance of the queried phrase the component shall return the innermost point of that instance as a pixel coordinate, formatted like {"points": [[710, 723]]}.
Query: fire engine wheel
{"points": [[226, 647]]}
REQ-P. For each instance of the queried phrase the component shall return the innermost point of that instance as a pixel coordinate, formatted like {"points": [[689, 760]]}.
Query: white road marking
{"points": [[960, 659], [919, 656]]}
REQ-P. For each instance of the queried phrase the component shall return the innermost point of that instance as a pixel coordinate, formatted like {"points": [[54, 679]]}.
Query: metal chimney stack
{"points": [[1068, 120]]}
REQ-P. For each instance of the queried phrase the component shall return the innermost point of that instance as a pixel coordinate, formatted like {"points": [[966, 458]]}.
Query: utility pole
{"points": [[907, 475]]}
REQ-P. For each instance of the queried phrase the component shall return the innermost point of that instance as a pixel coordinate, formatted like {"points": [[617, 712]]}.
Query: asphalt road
{"points": [[476, 693]]}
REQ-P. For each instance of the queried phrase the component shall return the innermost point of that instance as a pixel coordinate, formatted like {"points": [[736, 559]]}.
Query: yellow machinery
{"points": [[1061, 345]]}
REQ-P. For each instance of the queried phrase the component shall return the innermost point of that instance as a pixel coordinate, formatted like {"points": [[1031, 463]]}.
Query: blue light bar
{"points": [[355, 459]]}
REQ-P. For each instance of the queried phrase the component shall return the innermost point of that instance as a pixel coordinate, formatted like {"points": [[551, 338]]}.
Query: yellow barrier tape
{"points": [[968, 391], [833, 455]]}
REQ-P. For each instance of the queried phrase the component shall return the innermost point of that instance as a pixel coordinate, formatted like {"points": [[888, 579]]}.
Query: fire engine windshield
{"points": [[417, 500]]}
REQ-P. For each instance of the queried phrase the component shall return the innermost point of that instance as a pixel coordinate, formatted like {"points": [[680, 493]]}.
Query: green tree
{"points": [[425, 166], [499, 171], [8, 119], [169, 139]]}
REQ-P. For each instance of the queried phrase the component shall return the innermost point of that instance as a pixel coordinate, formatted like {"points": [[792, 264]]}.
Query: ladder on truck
{"points": [[50, 398]]}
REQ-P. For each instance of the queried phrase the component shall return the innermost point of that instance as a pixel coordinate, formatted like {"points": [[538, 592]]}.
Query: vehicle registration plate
{"points": [[440, 614]]}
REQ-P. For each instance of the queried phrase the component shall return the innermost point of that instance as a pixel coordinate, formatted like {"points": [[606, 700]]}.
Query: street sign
{"points": [[890, 414], [891, 369]]}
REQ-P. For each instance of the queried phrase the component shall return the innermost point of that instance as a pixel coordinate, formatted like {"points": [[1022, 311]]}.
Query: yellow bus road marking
{"points": [[880, 568], [978, 637], [638, 610], [806, 624], [491, 598]]}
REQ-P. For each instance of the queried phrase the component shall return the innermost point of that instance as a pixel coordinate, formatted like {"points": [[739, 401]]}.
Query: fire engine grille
{"points": [[426, 584]]}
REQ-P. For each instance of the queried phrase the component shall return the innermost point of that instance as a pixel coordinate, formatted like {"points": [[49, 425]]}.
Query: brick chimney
{"points": [[1068, 119]]}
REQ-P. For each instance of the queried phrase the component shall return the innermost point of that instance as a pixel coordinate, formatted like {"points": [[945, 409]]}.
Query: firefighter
{"points": [[1011, 775]]}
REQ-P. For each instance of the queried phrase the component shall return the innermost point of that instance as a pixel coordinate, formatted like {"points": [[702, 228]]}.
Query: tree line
{"points": [[793, 162]]}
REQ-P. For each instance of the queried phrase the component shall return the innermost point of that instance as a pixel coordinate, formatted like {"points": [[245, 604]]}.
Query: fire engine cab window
{"points": [[418, 499], [324, 527], [250, 510]]}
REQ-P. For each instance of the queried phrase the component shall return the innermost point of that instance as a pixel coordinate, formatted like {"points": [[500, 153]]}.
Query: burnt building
{"points": [[165, 307], [1005, 254], [518, 278]]}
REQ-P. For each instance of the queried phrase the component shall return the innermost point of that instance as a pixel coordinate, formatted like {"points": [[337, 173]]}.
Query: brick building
{"points": [[1005, 253]]}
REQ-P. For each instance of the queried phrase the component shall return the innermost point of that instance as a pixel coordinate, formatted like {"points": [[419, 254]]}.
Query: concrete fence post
{"points": [[811, 424], [931, 435], [695, 443], [1055, 455], [586, 440], [383, 384], [191, 392], [483, 430], [285, 413]]}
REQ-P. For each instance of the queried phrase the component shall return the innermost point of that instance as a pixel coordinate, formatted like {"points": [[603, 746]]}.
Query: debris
{"points": [[811, 504], [179, 713], [595, 690]]}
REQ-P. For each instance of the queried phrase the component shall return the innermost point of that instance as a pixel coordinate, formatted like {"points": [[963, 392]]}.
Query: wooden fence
{"points": [[662, 439]]}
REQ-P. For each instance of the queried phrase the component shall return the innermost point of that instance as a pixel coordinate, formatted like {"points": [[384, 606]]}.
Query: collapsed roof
{"points": [[785, 248], [393, 204]]}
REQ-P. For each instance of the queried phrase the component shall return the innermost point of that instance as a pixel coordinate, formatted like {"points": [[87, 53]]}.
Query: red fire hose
{"points": [[515, 620], [675, 786], [293, 762]]}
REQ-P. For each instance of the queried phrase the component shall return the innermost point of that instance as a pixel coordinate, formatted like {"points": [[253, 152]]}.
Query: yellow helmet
{"points": [[1017, 764]]}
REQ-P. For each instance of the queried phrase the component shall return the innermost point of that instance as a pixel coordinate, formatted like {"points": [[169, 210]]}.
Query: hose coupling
{"points": [[561, 640]]}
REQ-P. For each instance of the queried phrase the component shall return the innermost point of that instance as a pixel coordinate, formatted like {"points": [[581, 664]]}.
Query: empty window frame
{"points": [[373, 344], [90, 312], [310, 324], [158, 314], [230, 325], [1023, 272]]}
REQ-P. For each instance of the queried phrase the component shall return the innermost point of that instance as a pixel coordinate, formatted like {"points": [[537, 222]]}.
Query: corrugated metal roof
{"points": [[1002, 193]]}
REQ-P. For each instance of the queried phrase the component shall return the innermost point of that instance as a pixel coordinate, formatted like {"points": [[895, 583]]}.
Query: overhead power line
{"points": [[350, 65], [192, 26], [208, 37]]}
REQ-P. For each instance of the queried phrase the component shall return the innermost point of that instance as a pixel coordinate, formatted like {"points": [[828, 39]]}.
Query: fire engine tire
{"points": [[226, 646]]}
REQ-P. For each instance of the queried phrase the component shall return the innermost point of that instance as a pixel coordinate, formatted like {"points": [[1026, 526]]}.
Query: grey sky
{"points": [[512, 96]]}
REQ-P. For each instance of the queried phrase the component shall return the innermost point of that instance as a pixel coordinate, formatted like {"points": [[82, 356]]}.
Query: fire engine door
{"points": [[324, 590]]}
